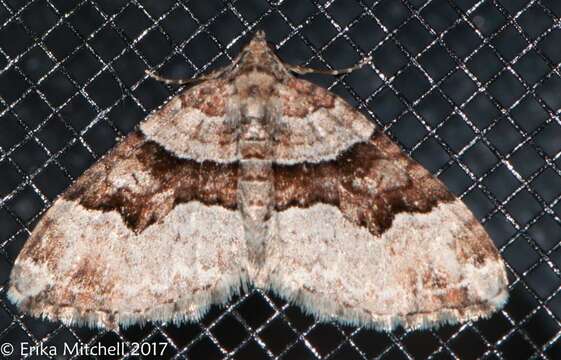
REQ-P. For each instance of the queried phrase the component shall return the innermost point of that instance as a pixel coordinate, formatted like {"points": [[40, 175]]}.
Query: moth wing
{"points": [[373, 239], [199, 124], [313, 125], [141, 236]]}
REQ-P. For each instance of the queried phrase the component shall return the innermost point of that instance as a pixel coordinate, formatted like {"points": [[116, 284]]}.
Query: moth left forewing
{"points": [[126, 243]]}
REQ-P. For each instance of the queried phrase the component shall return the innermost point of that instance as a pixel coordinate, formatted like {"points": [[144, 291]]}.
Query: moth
{"points": [[256, 177]]}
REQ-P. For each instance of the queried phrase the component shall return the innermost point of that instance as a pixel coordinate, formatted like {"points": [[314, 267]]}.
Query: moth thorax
{"points": [[254, 108], [254, 130], [255, 136]]}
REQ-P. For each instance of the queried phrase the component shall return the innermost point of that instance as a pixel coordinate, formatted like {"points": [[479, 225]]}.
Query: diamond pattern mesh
{"points": [[471, 89]]}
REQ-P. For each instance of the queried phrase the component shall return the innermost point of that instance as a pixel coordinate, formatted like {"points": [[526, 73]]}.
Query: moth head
{"points": [[258, 55], [259, 36]]}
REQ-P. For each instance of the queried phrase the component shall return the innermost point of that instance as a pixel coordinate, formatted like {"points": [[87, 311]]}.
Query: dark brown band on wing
{"points": [[370, 184], [158, 181]]}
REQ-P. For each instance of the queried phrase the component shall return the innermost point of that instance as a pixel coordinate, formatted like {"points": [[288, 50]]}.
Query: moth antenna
{"points": [[302, 70], [191, 80]]}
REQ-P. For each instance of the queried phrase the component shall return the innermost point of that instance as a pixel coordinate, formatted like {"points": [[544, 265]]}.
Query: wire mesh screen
{"points": [[471, 89]]}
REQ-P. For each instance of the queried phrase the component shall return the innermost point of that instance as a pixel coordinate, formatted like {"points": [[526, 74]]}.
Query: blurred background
{"points": [[471, 89]]}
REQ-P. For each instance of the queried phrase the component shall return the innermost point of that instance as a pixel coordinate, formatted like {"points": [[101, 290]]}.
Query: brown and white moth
{"points": [[257, 177]]}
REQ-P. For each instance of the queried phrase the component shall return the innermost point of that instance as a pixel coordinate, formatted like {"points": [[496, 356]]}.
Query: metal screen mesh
{"points": [[471, 89]]}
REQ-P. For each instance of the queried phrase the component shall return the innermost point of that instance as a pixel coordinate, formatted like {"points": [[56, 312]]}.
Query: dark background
{"points": [[471, 89]]}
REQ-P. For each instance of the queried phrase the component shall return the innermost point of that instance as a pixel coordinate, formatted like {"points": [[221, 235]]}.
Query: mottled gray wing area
{"points": [[373, 239], [142, 235], [199, 124], [313, 125]]}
